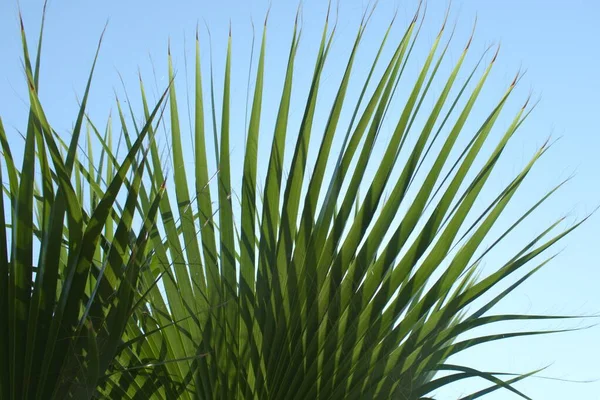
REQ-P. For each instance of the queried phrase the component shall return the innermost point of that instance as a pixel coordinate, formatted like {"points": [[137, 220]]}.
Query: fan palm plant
{"points": [[148, 286], [70, 308]]}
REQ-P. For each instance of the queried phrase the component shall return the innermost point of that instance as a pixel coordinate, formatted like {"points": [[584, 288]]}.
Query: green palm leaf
{"points": [[52, 323], [333, 284]]}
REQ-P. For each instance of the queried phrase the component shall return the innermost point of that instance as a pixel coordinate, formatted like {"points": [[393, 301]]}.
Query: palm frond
{"points": [[335, 283]]}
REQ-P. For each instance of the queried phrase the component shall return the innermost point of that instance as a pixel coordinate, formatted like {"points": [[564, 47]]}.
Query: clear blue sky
{"points": [[555, 41]]}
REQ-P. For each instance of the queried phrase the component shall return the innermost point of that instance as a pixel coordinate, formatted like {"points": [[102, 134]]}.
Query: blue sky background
{"points": [[556, 42]]}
